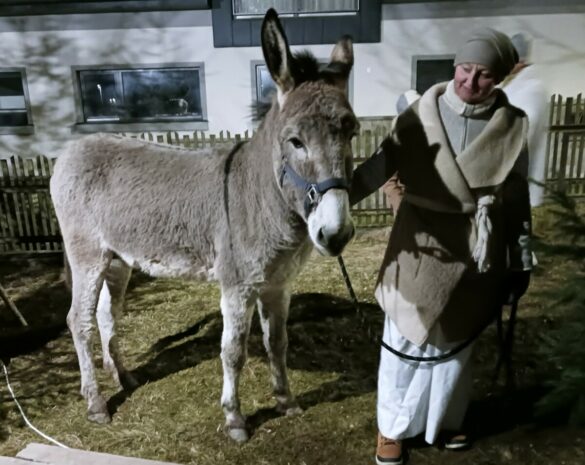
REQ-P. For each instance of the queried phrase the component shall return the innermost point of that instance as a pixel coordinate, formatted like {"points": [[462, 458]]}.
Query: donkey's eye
{"points": [[297, 144]]}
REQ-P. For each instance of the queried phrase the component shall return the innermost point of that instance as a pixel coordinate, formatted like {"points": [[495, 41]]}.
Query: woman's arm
{"points": [[518, 216], [374, 172]]}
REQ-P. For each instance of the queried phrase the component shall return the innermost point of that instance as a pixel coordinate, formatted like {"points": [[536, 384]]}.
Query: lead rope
{"points": [[506, 341], [370, 332], [26, 420]]}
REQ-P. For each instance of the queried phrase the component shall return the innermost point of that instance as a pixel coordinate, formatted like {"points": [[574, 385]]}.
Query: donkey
{"points": [[247, 218]]}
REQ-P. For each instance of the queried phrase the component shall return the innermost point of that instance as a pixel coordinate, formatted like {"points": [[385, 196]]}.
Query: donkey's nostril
{"points": [[335, 240]]}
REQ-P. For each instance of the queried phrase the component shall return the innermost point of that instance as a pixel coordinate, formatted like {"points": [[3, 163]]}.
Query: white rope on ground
{"points": [[30, 425]]}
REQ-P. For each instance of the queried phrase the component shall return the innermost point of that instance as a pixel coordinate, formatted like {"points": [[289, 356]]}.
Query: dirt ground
{"points": [[170, 336]]}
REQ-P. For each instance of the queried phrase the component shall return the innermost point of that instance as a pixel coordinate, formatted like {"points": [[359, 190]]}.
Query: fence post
{"points": [[569, 119]]}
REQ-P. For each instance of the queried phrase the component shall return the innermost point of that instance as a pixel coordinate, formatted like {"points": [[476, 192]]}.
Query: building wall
{"points": [[49, 46]]}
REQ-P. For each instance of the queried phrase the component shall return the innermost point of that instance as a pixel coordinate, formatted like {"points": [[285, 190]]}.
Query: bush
{"points": [[565, 346]]}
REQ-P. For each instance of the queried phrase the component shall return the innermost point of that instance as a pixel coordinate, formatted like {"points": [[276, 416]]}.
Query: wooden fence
{"points": [[566, 145], [27, 221], [28, 225]]}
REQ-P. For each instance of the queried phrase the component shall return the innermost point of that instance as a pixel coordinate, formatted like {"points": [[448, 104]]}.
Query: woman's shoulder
{"points": [[503, 102]]}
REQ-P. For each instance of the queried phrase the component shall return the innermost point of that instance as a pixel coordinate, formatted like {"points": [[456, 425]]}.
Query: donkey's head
{"points": [[312, 124]]}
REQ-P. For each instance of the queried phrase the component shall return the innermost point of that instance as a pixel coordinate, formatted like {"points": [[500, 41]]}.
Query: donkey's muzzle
{"points": [[334, 241]]}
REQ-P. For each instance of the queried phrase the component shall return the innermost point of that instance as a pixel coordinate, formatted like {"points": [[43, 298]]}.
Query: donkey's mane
{"points": [[305, 68]]}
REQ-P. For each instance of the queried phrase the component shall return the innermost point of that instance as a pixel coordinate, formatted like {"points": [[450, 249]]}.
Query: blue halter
{"points": [[313, 191]]}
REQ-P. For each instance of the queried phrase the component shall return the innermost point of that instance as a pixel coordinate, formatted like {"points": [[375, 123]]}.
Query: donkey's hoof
{"points": [[99, 417], [97, 410], [289, 409], [292, 411], [240, 435]]}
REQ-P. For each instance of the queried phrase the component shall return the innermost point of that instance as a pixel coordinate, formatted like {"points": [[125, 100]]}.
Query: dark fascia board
{"points": [[62, 7], [363, 27], [417, 9]]}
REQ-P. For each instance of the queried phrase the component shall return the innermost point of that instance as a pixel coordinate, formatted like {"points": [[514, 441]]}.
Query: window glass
{"points": [[13, 105], [430, 71], [102, 100], [138, 95], [265, 86], [162, 93], [284, 7]]}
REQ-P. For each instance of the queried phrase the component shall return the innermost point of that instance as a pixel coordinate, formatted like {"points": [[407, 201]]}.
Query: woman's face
{"points": [[474, 83]]}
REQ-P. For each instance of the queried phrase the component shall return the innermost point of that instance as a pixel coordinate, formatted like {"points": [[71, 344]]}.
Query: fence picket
{"points": [[5, 232], [44, 214], [10, 171], [580, 168], [32, 198], [4, 172], [26, 210], [550, 139]]}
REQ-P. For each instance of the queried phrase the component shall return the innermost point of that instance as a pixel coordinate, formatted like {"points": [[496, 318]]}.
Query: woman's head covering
{"points": [[489, 48]]}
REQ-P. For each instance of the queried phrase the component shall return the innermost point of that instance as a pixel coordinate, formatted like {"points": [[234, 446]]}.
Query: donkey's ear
{"points": [[277, 52], [337, 71], [343, 52]]}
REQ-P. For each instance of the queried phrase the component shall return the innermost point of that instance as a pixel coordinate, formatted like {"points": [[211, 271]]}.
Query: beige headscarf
{"points": [[490, 48]]}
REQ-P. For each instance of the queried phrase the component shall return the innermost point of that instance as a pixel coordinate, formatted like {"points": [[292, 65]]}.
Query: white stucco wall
{"points": [[382, 71]]}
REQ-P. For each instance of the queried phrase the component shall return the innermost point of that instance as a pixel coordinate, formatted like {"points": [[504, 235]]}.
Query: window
{"points": [[247, 8], [15, 114], [429, 70], [264, 87], [237, 23], [161, 94]]}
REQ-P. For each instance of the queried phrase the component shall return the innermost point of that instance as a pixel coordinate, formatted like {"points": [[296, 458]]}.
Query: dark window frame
{"points": [[167, 124], [24, 129], [417, 58], [364, 26], [61, 7]]}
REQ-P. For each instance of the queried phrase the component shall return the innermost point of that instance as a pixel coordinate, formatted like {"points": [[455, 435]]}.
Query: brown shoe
{"points": [[389, 451]]}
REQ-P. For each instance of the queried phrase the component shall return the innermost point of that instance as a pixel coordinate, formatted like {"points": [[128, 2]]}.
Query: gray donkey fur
{"points": [[215, 214]]}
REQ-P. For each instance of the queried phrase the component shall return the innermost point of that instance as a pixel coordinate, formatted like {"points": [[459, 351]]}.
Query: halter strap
{"points": [[313, 191]]}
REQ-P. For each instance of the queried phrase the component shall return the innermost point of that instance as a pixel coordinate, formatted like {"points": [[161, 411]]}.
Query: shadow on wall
{"points": [[47, 56]]}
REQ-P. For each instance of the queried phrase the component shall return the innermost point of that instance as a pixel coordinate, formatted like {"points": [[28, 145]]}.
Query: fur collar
{"points": [[488, 159], [467, 109]]}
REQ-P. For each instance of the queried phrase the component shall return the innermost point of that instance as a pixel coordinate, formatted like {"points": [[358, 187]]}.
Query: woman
{"points": [[459, 247]]}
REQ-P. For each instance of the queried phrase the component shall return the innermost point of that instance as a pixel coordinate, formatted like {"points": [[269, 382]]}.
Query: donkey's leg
{"points": [[237, 309], [88, 275], [273, 309], [109, 308]]}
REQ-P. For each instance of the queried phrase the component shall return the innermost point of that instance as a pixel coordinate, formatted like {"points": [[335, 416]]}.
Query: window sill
{"points": [[17, 130], [89, 128]]}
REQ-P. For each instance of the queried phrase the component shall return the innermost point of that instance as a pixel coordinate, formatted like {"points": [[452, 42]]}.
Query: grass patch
{"points": [[170, 335]]}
